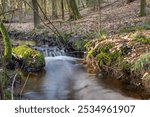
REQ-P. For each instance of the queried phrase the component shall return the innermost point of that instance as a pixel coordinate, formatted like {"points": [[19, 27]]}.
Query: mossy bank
{"points": [[125, 58]]}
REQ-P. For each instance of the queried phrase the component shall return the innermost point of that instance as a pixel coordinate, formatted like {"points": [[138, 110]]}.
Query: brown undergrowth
{"points": [[126, 58]]}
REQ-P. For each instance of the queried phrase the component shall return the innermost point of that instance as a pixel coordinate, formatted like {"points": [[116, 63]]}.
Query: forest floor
{"points": [[114, 16], [121, 26]]}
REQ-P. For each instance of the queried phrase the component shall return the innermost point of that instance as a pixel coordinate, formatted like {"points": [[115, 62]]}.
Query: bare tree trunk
{"points": [[62, 9], [143, 8], [73, 10], [36, 14], [54, 9], [82, 3], [20, 7], [45, 8], [3, 8]]}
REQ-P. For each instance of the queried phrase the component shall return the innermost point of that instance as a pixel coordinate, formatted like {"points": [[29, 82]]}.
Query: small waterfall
{"points": [[50, 51]]}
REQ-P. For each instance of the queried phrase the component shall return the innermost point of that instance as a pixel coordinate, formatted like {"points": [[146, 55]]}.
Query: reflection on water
{"points": [[64, 78]]}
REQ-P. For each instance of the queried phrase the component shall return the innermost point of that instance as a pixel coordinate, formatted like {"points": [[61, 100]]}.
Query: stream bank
{"points": [[125, 58]]}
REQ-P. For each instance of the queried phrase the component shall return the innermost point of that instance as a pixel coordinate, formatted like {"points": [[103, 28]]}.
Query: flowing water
{"points": [[64, 78]]}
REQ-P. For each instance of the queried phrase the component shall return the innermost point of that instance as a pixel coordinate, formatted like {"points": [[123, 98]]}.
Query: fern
{"points": [[103, 58], [142, 39], [90, 53], [141, 63]]}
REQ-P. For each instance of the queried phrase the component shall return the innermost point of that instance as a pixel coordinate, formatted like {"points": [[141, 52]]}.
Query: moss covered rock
{"points": [[31, 60]]}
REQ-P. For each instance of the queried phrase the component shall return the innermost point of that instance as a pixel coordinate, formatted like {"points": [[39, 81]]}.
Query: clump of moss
{"points": [[6, 39], [30, 58]]}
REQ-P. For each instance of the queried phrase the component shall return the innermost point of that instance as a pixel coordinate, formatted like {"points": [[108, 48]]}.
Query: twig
{"points": [[10, 20], [51, 24], [20, 94], [12, 86], [9, 11], [48, 20]]}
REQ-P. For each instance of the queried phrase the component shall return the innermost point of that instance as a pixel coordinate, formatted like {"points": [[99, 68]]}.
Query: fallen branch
{"points": [[12, 86], [20, 94]]}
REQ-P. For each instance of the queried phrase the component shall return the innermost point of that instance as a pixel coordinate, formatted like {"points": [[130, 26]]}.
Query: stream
{"points": [[64, 78]]}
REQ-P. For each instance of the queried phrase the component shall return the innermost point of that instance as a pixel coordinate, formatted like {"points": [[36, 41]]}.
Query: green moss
{"points": [[6, 39], [31, 58]]}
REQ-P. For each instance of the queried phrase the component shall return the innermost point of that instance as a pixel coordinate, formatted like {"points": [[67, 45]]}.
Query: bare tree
{"points": [[35, 13]]}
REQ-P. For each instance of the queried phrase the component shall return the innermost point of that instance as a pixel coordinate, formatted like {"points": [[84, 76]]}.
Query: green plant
{"points": [[7, 94], [87, 45], [66, 35], [103, 58], [125, 67], [90, 53], [127, 30], [147, 25], [142, 39], [141, 27], [141, 63], [103, 54], [101, 34], [79, 44], [116, 57]]}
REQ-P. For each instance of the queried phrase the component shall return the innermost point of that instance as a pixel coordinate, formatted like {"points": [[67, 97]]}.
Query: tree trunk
{"points": [[20, 7], [73, 10], [87, 3], [3, 8], [35, 13], [79, 3], [82, 3], [54, 9], [45, 8], [62, 9], [143, 8]]}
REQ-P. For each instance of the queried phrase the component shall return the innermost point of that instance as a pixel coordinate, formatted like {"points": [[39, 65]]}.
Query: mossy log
{"points": [[7, 43]]}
